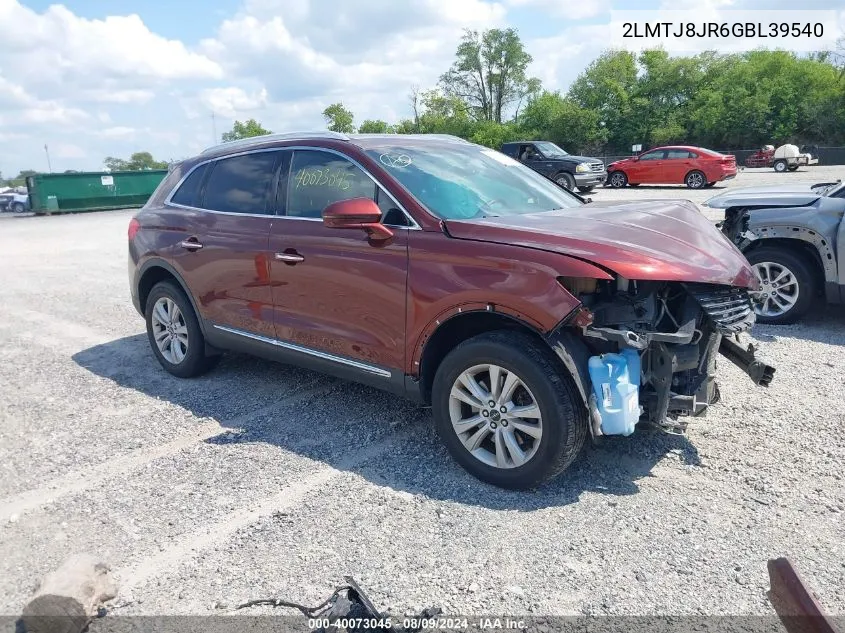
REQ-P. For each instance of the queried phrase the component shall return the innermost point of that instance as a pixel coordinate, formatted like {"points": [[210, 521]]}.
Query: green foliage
{"points": [[247, 129], [377, 126], [489, 73], [714, 100], [339, 119], [562, 120], [139, 161]]}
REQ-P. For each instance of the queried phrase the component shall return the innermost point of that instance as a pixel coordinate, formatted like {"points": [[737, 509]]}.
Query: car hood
{"points": [[644, 240], [787, 195]]}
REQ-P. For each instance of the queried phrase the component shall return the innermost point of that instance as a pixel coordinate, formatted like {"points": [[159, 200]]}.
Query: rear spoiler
{"points": [[796, 606]]}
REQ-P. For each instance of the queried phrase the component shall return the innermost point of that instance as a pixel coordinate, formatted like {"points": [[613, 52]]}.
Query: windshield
{"points": [[550, 150], [461, 181]]}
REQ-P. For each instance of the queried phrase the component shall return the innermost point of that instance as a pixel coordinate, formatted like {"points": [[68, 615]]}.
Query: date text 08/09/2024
{"points": [[721, 29], [420, 623]]}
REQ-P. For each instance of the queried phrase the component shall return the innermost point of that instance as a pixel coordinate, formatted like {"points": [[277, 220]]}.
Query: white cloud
{"points": [[56, 45], [69, 150], [117, 132], [231, 101], [129, 95], [569, 10]]}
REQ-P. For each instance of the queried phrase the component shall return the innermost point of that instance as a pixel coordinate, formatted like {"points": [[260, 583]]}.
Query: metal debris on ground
{"points": [[348, 605]]}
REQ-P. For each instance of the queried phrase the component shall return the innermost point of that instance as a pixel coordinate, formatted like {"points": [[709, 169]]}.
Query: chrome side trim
{"points": [[412, 226], [372, 369]]}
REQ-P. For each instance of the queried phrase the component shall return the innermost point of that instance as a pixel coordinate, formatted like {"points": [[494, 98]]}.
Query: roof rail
{"points": [[389, 135], [264, 138]]}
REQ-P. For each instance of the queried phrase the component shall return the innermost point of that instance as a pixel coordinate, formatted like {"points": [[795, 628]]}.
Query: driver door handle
{"points": [[290, 258], [192, 244]]}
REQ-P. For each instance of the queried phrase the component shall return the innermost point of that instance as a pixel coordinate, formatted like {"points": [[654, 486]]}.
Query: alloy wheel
{"points": [[170, 330], [695, 180], [617, 180], [779, 289], [495, 416]]}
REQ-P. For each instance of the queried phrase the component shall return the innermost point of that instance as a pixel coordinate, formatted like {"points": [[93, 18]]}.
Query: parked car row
{"points": [[14, 202]]}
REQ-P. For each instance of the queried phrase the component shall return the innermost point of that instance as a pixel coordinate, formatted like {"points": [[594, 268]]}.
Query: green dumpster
{"points": [[91, 191]]}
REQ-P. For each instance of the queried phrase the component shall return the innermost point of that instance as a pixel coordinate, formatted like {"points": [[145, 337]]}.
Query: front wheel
{"points": [[174, 332], [566, 181], [788, 285], [507, 411], [617, 179], [780, 166]]}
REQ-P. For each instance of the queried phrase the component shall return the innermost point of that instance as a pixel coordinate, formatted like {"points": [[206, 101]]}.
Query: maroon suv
{"points": [[445, 272]]}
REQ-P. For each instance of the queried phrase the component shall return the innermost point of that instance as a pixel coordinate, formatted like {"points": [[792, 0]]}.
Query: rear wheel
{"points": [[788, 285], [565, 180], [507, 411], [780, 166], [695, 180], [174, 332], [18, 207], [617, 179]]}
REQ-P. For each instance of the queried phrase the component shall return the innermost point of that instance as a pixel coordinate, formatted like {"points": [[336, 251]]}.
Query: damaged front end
{"points": [[676, 329]]}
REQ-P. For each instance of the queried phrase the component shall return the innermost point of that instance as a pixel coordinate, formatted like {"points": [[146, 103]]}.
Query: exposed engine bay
{"points": [[677, 329]]}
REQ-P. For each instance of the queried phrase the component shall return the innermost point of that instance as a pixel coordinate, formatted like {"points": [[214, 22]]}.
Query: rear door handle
{"points": [[192, 244], [290, 257]]}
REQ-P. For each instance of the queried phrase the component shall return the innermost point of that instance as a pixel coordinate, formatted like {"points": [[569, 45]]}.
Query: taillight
{"points": [[134, 225]]}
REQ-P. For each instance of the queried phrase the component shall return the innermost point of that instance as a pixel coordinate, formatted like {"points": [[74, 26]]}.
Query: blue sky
{"points": [[97, 78]]}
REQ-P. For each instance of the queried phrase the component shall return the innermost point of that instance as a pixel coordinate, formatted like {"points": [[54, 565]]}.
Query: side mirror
{"points": [[357, 213]]}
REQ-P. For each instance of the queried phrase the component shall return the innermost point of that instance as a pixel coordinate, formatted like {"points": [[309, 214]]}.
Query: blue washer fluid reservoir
{"points": [[617, 395]]}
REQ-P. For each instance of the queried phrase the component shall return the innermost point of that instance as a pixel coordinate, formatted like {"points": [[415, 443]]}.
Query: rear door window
{"points": [[188, 192], [678, 153], [241, 184]]}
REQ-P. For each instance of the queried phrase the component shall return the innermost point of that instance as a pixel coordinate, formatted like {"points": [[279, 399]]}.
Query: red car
{"points": [[447, 273], [695, 167]]}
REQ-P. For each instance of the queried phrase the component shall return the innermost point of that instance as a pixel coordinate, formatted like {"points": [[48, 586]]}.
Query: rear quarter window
{"points": [[188, 192]]}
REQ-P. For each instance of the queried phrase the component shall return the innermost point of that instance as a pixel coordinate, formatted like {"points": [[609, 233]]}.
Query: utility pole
{"points": [[47, 151], [214, 126]]}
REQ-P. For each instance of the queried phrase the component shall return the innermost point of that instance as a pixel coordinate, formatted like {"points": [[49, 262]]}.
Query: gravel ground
{"points": [[266, 480]]}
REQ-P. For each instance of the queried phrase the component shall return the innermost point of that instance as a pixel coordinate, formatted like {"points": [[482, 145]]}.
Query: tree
{"points": [[339, 119], [376, 126], [139, 161], [25, 173], [489, 73], [551, 116], [247, 129]]}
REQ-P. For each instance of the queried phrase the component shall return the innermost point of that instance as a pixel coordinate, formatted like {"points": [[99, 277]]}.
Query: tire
{"points": [[543, 382], [617, 179], [772, 261], [193, 361], [780, 166], [565, 180], [695, 179], [18, 207], [585, 189]]}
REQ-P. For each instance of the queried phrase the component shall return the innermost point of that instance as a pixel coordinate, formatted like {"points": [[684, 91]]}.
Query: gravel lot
{"points": [[265, 480]]}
